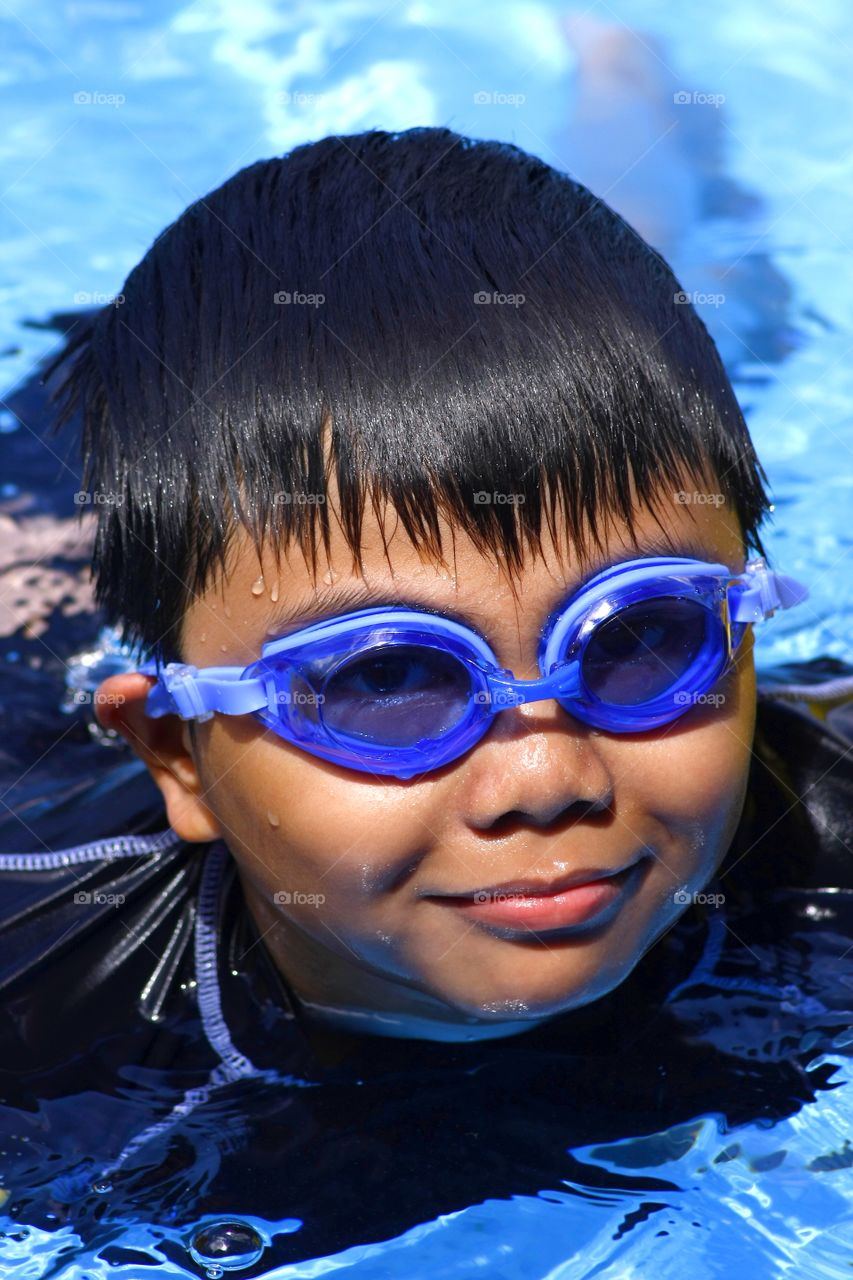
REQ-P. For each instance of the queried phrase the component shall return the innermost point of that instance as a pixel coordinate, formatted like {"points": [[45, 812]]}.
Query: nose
{"points": [[536, 765]]}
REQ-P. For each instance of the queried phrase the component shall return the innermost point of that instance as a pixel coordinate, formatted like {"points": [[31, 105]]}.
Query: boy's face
{"points": [[540, 797]]}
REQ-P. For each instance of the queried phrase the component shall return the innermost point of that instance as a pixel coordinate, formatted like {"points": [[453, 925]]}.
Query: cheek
{"points": [[692, 776], [289, 817]]}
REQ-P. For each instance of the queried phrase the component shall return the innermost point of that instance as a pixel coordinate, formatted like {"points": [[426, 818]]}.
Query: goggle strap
{"points": [[185, 691]]}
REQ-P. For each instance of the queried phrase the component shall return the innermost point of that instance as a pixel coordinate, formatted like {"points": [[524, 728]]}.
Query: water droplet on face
{"points": [[226, 1246], [224, 648], [258, 587], [102, 1187], [227, 611], [272, 818], [274, 593], [330, 577]]}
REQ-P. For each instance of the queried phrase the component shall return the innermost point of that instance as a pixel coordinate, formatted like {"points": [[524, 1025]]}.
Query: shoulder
{"points": [[97, 925], [798, 818]]}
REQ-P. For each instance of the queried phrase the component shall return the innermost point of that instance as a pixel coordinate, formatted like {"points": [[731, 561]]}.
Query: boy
{"points": [[464, 390]]}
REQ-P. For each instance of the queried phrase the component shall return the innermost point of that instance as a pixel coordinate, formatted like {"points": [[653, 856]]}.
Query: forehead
{"points": [[237, 613]]}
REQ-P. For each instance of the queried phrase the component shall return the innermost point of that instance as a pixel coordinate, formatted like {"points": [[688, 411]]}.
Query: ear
{"points": [[164, 747]]}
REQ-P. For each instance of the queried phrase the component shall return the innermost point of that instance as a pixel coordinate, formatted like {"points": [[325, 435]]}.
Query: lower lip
{"points": [[573, 906]]}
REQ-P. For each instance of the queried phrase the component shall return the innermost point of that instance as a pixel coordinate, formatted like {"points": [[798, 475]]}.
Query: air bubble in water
{"points": [[226, 1246], [102, 1187]]}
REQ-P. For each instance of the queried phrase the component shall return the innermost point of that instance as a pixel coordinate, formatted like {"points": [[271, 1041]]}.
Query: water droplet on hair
{"points": [[330, 577], [226, 1246], [102, 1186], [274, 593], [258, 586], [272, 818]]}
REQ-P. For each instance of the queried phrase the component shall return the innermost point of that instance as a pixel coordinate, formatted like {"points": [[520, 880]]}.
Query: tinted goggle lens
{"points": [[397, 695], [646, 649]]}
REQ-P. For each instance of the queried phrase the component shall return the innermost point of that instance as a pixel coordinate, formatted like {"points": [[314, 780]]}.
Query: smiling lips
{"points": [[573, 900]]}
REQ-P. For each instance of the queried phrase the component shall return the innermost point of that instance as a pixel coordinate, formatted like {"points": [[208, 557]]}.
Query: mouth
{"points": [[527, 905]]}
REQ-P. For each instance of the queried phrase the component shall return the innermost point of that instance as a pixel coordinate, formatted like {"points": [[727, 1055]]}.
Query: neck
{"points": [[345, 993]]}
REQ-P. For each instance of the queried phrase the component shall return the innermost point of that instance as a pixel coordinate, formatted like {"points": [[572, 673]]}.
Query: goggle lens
{"points": [[396, 695], [646, 649]]}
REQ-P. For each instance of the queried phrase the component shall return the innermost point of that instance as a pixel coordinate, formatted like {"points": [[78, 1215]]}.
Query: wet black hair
{"points": [[422, 317]]}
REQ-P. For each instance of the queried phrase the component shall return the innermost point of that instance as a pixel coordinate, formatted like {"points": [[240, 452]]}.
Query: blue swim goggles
{"points": [[396, 691]]}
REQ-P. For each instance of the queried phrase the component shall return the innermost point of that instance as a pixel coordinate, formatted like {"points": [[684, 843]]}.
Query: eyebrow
{"points": [[335, 600]]}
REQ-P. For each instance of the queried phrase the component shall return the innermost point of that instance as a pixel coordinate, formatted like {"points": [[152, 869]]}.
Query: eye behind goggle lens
{"points": [[647, 649], [396, 696]]}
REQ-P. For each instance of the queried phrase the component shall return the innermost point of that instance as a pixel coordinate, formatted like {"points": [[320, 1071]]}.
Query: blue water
{"points": [[120, 114]]}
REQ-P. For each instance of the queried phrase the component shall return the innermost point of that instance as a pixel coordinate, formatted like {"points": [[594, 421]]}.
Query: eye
{"points": [[645, 649], [384, 674], [402, 695]]}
